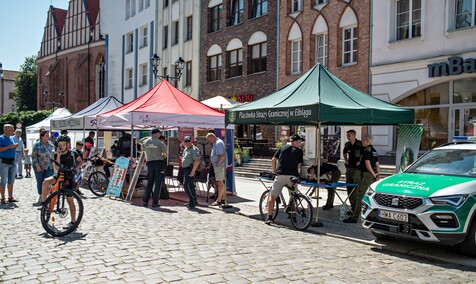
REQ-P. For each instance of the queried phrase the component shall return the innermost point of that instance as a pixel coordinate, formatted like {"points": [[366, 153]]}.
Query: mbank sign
{"points": [[454, 66]]}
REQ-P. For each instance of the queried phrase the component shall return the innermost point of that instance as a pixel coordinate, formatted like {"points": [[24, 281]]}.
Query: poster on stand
{"points": [[119, 174], [408, 145]]}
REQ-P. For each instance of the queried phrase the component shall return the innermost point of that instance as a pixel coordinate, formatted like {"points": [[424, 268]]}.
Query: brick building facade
{"points": [[238, 53], [71, 60]]}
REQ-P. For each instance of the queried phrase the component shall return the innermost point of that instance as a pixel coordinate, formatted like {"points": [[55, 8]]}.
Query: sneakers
{"points": [[145, 204], [349, 220], [269, 220], [155, 205], [70, 224]]}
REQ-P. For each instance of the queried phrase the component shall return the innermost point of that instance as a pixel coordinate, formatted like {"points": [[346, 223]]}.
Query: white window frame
{"points": [[175, 33], [472, 14], [130, 42], [144, 73], [353, 43], [298, 8], [141, 5], [298, 52], [128, 9], [410, 20], [144, 36], [325, 47], [133, 8], [129, 78], [147, 4]]}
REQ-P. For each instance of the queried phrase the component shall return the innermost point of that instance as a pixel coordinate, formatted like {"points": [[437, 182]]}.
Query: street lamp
{"points": [[155, 61], [53, 104]]}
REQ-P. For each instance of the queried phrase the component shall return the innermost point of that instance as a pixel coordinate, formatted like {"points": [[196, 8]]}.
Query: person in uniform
{"points": [[351, 153], [190, 161], [155, 153], [370, 169]]}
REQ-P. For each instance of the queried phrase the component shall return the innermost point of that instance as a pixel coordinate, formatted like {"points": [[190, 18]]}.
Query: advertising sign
{"points": [[408, 145], [118, 176]]}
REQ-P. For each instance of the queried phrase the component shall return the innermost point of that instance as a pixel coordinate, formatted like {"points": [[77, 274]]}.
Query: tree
{"points": [[26, 85], [26, 118]]}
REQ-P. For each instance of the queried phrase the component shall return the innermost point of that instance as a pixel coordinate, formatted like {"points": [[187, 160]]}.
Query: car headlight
{"points": [[370, 191], [453, 200]]}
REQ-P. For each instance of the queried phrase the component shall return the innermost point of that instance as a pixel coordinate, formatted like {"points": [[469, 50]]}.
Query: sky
{"points": [[21, 29]]}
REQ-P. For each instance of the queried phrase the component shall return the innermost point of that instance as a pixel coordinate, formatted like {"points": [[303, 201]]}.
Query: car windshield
{"points": [[453, 162]]}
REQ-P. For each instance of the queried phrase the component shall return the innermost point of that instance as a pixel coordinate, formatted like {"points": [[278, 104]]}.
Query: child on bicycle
{"points": [[65, 157]]}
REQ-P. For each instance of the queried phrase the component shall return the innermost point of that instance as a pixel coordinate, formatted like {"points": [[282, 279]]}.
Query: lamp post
{"points": [[53, 104], [155, 61], [2, 94]]}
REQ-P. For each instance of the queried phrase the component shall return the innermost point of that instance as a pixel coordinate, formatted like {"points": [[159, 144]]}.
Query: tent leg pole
{"points": [[317, 223]]}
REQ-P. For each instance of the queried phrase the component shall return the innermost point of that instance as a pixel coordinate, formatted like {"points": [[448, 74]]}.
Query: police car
{"points": [[433, 200]]}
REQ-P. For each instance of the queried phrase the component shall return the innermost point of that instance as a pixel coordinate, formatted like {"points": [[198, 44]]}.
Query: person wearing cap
{"points": [[285, 164], [18, 152], [155, 153], [218, 159], [190, 161]]}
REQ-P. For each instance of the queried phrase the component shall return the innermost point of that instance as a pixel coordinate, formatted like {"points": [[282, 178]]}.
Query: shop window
{"points": [[434, 95], [234, 63], [235, 12], [258, 8], [464, 91], [435, 126], [408, 16]]}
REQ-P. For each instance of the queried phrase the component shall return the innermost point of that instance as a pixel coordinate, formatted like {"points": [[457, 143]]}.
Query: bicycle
{"points": [[58, 219], [299, 207], [97, 181]]}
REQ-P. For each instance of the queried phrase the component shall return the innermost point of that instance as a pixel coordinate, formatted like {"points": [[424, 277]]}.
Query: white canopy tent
{"points": [[220, 103], [33, 131]]}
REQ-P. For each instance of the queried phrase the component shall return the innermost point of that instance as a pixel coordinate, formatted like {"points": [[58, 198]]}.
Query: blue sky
{"points": [[21, 29]]}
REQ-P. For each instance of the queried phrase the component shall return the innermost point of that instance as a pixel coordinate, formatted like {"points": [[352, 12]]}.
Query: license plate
{"points": [[402, 217]]}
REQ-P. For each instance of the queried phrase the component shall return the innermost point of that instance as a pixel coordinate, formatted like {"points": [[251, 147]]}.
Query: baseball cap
{"points": [[187, 139], [296, 137], [64, 131], [155, 130]]}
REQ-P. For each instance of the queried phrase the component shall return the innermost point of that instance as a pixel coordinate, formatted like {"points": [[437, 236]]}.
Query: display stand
{"points": [[119, 175], [135, 177]]}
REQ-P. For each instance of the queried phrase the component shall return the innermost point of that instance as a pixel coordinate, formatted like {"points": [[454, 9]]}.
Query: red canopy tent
{"points": [[164, 106]]}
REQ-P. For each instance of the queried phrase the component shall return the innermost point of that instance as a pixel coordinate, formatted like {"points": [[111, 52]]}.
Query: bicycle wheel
{"points": [[58, 210], [301, 212], [263, 206], [98, 183]]}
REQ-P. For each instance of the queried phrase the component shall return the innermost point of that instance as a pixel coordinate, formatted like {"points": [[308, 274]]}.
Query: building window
{"points": [[128, 9], [141, 5], [188, 73], [296, 6], [130, 42], [320, 2], [166, 3], [349, 45], [296, 57], [234, 63], [129, 78], [465, 13], [258, 58], [214, 18], [214, 68], [133, 8], [147, 4], [144, 72], [189, 29], [144, 36], [321, 49], [235, 14], [175, 33], [258, 8], [164, 70], [408, 19], [165, 37]]}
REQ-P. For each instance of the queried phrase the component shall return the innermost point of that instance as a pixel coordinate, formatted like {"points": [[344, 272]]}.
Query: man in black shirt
{"points": [[290, 158], [370, 169], [352, 151]]}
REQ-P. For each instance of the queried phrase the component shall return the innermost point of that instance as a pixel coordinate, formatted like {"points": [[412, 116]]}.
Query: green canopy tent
{"points": [[319, 98]]}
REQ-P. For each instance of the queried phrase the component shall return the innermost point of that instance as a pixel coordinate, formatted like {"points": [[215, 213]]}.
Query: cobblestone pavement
{"points": [[122, 242]]}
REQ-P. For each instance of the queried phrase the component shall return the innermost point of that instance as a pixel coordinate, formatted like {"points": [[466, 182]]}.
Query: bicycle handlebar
{"points": [[62, 167]]}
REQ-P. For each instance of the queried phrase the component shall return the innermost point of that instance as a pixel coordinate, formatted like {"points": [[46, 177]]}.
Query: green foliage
{"points": [[26, 118], [26, 85], [245, 153], [237, 151], [279, 144]]}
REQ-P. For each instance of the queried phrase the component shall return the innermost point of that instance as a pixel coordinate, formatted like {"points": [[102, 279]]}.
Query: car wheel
{"points": [[380, 236], [468, 247]]}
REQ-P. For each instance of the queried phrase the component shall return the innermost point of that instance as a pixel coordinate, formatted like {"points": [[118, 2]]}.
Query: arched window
{"points": [[234, 58], [214, 63], [295, 40], [257, 46], [320, 30], [101, 79], [348, 24]]}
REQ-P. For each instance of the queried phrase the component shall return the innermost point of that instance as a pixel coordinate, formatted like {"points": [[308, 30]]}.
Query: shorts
{"points": [[219, 172], [7, 173], [279, 182], [27, 166]]}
